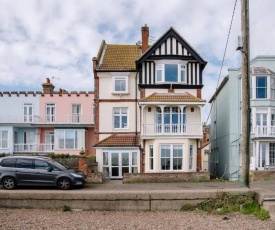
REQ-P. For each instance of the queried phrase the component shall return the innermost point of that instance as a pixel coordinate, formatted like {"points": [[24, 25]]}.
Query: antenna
{"points": [[53, 77]]}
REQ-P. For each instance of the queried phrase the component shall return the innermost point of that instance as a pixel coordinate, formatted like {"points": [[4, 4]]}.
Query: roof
{"points": [[119, 57], [171, 97], [260, 70], [172, 32], [120, 140], [219, 88]]}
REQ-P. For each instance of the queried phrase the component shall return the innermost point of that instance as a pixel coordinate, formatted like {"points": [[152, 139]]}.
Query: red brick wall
{"points": [[145, 38], [199, 93]]}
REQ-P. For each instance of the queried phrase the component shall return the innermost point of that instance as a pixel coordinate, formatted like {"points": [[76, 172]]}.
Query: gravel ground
{"points": [[57, 219]]}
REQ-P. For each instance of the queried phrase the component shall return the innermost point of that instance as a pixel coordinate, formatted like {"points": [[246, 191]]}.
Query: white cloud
{"points": [[40, 39]]}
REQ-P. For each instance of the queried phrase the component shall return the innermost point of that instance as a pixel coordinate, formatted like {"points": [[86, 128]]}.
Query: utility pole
{"points": [[245, 94]]}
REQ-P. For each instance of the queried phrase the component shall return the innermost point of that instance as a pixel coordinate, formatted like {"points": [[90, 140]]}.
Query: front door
{"points": [[28, 139]]}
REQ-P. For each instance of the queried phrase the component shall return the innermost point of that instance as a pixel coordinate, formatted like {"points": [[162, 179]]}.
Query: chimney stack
{"points": [[145, 38], [48, 87]]}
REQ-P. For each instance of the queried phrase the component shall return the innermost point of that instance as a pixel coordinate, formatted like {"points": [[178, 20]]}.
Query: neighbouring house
{"points": [[148, 106], [46, 122], [226, 103]]}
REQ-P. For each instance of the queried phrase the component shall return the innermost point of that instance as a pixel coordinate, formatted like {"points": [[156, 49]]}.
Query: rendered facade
{"points": [[225, 157], [46, 122], [148, 106]]}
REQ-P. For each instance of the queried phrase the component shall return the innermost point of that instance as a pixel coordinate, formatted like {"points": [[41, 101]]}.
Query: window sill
{"points": [[120, 93]]}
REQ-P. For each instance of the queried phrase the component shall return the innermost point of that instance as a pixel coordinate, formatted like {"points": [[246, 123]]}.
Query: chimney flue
{"points": [[145, 38]]}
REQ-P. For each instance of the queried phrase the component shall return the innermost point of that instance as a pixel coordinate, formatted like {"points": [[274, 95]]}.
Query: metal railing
{"points": [[172, 129], [48, 119], [34, 148]]}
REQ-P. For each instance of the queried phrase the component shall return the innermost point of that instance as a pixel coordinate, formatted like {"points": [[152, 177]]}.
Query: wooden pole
{"points": [[245, 95]]}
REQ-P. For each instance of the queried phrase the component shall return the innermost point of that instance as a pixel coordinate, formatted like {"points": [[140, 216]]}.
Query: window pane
{"points": [[125, 159], [23, 163], [8, 162], [171, 73], [159, 75], [261, 81], [38, 164], [69, 139], [120, 84], [134, 158], [105, 158], [116, 122]]}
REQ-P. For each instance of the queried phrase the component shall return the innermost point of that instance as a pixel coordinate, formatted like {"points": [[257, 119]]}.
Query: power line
{"points": [[223, 57]]}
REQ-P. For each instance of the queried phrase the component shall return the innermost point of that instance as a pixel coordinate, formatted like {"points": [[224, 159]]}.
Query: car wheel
{"points": [[9, 183], [64, 183]]}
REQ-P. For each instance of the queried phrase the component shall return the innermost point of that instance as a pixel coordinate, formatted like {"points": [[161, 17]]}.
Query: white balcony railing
{"points": [[172, 129], [48, 119], [264, 131], [33, 148]]}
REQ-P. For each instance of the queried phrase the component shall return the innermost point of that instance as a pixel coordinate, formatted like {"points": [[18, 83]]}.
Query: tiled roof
{"points": [[171, 97], [120, 57], [120, 140], [260, 70]]}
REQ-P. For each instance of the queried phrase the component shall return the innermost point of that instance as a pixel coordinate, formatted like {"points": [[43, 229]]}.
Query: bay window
{"points": [[70, 139], [171, 157]]}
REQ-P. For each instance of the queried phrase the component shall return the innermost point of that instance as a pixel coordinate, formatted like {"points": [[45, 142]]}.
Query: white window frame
{"points": [[120, 115], [2, 140], [76, 116], [27, 112], [125, 78], [171, 157], [151, 158], [160, 71], [191, 157], [78, 141], [50, 117]]}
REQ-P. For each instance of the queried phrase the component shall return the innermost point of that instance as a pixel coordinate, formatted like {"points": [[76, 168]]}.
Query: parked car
{"points": [[37, 171]]}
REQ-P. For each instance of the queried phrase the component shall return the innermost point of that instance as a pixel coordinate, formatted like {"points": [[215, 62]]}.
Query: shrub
{"points": [[66, 208], [186, 207]]}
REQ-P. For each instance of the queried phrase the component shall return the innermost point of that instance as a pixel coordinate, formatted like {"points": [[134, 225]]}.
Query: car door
{"points": [[25, 175], [44, 176]]}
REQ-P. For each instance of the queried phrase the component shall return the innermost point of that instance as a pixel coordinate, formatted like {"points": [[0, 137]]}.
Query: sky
{"points": [[58, 39]]}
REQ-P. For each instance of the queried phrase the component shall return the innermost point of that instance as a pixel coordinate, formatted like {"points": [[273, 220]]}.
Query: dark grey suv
{"points": [[37, 171]]}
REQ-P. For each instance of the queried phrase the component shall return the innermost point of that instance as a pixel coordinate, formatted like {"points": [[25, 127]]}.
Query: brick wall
{"points": [[129, 178]]}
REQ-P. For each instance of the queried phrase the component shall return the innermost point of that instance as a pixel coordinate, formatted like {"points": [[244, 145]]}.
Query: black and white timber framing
{"points": [[171, 46]]}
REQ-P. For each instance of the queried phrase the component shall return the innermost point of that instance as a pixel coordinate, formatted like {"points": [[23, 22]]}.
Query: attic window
{"points": [[170, 73], [120, 84]]}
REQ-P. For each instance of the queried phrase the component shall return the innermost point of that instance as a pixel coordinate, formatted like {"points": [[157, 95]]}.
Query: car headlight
{"points": [[76, 175]]}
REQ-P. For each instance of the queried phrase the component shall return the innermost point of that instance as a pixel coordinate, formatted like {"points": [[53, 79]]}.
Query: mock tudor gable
{"points": [[171, 53]]}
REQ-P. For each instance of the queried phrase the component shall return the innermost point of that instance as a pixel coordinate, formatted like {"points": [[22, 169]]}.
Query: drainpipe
{"points": [[136, 111]]}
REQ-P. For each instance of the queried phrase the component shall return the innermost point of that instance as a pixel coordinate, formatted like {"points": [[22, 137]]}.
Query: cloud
{"points": [[40, 39]]}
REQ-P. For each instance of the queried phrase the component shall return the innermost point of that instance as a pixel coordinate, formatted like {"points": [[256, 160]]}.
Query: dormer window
{"points": [[171, 73], [120, 84], [261, 87]]}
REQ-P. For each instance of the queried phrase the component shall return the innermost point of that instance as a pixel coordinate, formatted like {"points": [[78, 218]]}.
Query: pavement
{"points": [[117, 185]]}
